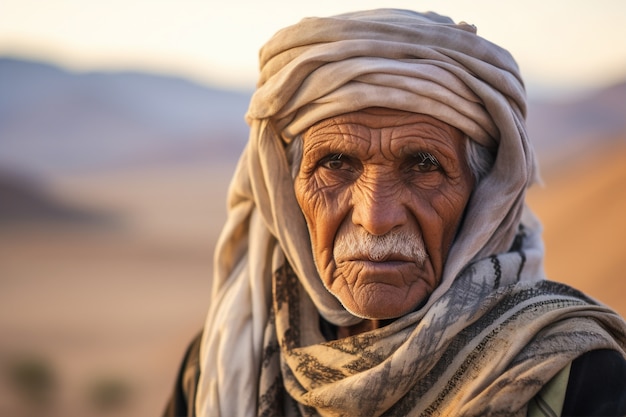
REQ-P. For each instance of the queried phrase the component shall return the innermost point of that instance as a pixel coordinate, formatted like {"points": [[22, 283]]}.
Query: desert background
{"points": [[115, 163], [110, 206]]}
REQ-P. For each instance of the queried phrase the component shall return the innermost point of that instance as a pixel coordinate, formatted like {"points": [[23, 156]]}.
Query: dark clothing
{"points": [[596, 386], [182, 399]]}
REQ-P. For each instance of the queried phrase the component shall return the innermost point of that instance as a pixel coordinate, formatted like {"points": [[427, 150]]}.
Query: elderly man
{"points": [[378, 257]]}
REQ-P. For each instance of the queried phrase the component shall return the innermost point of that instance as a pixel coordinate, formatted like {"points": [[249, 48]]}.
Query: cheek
{"points": [[449, 205], [324, 209], [439, 213]]}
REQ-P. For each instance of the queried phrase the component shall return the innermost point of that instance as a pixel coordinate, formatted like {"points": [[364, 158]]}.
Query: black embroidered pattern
{"points": [[271, 402], [270, 349], [317, 373], [497, 269], [549, 305], [407, 403], [517, 303], [517, 246], [521, 265], [518, 241], [287, 288], [360, 347]]}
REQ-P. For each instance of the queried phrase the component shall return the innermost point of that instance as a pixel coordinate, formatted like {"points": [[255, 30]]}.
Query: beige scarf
{"points": [[486, 347], [469, 349]]}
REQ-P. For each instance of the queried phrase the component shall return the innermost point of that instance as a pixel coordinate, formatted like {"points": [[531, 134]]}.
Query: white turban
{"points": [[422, 63], [324, 67]]}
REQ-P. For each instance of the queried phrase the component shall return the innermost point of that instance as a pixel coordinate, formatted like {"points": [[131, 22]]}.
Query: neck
{"points": [[362, 327]]}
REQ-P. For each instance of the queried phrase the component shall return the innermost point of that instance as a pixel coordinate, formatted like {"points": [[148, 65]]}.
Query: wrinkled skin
{"points": [[371, 170]]}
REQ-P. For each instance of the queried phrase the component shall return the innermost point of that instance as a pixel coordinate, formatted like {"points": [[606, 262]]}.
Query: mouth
{"points": [[389, 263], [374, 258], [384, 272], [386, 258]]}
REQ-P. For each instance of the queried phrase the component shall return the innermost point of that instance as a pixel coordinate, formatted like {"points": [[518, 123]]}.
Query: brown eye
{"points": [[335, 162], [426, 162]]}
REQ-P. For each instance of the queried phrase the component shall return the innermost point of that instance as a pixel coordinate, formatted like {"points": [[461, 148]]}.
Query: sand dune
{"points": [[106, 275], [583, 209], [115, 301]]}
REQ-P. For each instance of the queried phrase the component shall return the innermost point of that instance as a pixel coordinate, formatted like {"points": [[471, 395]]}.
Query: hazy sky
{"points": [[558, 43]]}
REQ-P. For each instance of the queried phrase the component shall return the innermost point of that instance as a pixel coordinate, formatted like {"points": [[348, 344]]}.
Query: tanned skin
{"points": [[382, 171]]}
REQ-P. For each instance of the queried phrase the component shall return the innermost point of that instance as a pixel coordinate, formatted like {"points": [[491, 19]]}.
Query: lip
{"points": [[391, 258], [388, 265]]}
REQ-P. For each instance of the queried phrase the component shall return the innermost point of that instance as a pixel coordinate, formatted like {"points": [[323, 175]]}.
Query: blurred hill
{"points": [[53, 121], [564, 129], [24, 200], [112, 195], [57, 122]]}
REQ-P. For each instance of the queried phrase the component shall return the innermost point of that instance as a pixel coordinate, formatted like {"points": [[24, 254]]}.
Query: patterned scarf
{"points": [[485, 348], [490, 334]]}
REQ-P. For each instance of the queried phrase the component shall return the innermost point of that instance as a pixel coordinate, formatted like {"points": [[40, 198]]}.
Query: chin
{"points": [[383, 306], [380, 314]]}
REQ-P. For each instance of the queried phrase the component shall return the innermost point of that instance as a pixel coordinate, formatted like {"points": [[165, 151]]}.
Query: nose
{"points": [[378, 207]]}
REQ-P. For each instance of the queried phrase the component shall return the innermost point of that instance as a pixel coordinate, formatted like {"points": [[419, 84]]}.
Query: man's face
{"points": [[383, 192]]}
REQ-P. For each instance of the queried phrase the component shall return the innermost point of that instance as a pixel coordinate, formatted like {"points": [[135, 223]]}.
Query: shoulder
{"points": [[596, 385], [181, 400]]}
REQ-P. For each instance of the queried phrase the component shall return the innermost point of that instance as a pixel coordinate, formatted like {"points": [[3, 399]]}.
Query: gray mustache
{"points": [[361, 245]]}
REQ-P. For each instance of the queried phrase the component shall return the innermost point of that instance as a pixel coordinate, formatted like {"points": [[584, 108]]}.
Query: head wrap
{"points": [[324, 67]]}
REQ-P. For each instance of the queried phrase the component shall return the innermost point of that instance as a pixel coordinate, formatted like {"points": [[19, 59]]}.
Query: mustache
{"points": [[359, 244]]}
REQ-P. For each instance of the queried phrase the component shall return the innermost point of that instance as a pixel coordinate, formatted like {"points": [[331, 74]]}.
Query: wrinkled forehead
{"points": [[379, 118], [382, 119]]}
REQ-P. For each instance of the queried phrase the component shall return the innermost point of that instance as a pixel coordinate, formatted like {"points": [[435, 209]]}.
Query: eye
{"points": [[337, 161], [426, 162]]}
